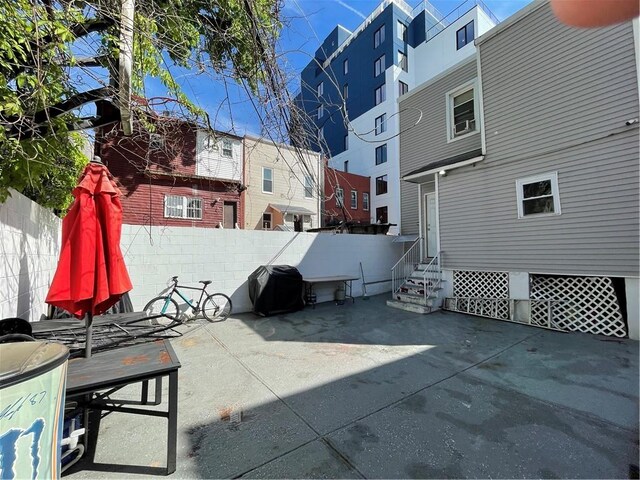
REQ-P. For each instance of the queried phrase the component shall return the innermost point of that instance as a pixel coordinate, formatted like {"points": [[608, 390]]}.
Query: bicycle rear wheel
{"points": [[165, 306], [216, 307]]}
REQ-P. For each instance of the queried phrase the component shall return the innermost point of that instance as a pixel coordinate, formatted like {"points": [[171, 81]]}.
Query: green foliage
{"points": [[39, 68]]}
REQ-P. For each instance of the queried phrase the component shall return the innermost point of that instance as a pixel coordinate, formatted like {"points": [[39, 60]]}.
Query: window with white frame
{"points": [[380, 124], [267, 180], [378, 37], [380, 94], [379, 66], [308, 186], [320, 111], [339, 197], [266, 221], [461, 112], [320, 89], [227, 148], [402, 31], [345, 66], [156, 141], [354, 200], [365, 201], [538, 195], [403, 63], [177, 206]]}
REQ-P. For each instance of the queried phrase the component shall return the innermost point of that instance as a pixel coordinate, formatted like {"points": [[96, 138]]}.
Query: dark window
{"points": [[378, 37], [381, 154], [365, 201], [403, 63], [345, 91], [346, 166], [402, 88], [379, 66], [339, 197], [464, 35], [266, 221], [380, 94], [381, 185], [354, 200], [382, 215], [537, 197], [381, 124]]}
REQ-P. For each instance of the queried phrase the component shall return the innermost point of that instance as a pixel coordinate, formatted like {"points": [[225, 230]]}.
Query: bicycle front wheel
{"points": [[165, 306], [217, 307]]}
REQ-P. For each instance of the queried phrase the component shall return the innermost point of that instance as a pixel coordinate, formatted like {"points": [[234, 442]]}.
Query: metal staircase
{"points": [[416, 283]]}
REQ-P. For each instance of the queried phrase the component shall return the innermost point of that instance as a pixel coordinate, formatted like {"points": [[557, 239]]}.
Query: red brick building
{"points": [[177, 176], [346, 198]]}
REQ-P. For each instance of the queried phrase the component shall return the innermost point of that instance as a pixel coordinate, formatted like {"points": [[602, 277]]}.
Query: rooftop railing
{"points": [[457, 13]]}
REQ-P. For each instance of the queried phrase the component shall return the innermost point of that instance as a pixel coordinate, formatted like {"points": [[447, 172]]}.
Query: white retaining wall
{"points": [[227, 257], [29, 248]]}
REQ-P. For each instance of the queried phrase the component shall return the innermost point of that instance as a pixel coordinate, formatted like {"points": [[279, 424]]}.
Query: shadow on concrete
{"points": [[472, 397]]}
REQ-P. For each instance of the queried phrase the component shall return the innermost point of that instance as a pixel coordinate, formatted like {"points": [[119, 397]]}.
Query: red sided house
{"points": [[178, 176], [346, 198]]}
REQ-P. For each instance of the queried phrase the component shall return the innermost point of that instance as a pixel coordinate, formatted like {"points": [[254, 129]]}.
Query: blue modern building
{"points": [[350, 89]]}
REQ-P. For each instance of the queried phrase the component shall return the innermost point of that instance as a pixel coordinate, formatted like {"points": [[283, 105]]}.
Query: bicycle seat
{"points": [[205, 282]]}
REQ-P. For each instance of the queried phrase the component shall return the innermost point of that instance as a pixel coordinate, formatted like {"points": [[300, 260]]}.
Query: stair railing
{"points": [[431, 278], [405, 266]]}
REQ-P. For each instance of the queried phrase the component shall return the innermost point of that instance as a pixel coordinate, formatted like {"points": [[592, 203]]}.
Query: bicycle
{"points": [[215, 308]]}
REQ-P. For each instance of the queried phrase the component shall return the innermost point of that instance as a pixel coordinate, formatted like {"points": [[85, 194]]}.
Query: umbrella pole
{"points": [[89, 336]]}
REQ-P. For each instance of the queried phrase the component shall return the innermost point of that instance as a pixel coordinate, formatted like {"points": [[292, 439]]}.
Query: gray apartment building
{"points": [[523, 180]]}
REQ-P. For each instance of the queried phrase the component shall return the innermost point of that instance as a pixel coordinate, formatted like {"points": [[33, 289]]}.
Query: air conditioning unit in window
{"points": [[464, 127]]}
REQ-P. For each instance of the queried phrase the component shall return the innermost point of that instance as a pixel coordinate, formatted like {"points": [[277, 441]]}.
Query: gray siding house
{"points": [[523, 178]]}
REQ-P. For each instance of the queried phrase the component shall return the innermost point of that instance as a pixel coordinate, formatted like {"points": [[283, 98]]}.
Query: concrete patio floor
{"points": [[367, 391]]}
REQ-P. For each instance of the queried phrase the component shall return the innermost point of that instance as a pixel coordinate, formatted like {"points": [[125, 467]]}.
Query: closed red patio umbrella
{"points": [[91, 275]]}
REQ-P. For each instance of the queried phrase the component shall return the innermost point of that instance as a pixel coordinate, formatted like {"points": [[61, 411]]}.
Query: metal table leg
{"points": [[172, 429]]}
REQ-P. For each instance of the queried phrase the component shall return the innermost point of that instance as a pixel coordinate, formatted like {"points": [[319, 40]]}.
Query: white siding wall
{"points": [[29, 249], [228, 257], [210, 162]]}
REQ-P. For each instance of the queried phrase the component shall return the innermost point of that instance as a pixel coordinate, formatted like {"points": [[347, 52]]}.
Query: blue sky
{"points": [[308, 22]]}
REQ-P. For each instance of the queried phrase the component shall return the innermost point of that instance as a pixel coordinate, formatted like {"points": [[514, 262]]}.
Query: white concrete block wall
{"points": [[227, 257], [29, 247]]}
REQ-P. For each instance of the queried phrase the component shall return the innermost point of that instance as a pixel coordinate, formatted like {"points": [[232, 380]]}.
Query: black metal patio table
{"points": [[93, 380]]}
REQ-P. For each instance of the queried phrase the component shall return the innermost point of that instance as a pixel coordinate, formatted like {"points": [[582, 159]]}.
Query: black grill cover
{"points": [[275, 289]]}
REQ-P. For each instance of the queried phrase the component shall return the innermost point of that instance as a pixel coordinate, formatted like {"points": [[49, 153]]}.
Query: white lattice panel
{"points": [[485, 307], [480, 284], [581, 304]]}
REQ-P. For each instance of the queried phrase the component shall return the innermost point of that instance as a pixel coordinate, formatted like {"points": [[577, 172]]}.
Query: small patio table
{"points": [[96, 378], [345, 279]]}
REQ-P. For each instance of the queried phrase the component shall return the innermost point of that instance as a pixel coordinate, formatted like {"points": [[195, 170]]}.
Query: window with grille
{"points": [[267, 180], [538, 195], [308, 187], [380, 124], [381, 154], [365, 201], [378, 66], [380, 94], [339, 197], [226, 148], [354, 200], [402, 88], [403, 63], [176, 206], [465, 35], [378, 37], [381, 185]]}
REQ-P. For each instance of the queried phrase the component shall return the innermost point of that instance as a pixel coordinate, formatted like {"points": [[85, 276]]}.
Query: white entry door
{"points": [[430, 224]]}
